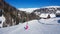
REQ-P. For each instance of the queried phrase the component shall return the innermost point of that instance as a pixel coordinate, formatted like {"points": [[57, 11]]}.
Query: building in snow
{"points": [[43, 15], [46, 15], [52, 15]]}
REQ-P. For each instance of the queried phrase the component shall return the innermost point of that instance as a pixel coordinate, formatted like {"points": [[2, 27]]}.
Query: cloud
{"points": [[28, 9]]}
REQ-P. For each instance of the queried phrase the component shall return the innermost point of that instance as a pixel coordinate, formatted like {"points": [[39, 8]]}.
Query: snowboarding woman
{"points": [[26, 27]]}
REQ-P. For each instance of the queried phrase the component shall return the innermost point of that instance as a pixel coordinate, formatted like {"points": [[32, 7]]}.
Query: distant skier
{"points": [[26, 27]]}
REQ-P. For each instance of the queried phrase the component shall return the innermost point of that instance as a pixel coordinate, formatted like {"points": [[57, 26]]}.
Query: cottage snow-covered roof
{"points": [[58, 11], [43, 15], [52, 15]]}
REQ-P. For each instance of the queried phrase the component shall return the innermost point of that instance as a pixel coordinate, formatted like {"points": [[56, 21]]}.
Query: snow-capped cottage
{"points": [[52, 15], [44, 15]]}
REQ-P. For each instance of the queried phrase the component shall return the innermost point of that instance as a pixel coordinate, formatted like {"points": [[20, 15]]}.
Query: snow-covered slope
{"points": [[51, 21], [35, 27]]}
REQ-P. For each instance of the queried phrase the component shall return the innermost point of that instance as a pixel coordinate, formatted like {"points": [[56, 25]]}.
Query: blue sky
{"points": [[33, 3]]}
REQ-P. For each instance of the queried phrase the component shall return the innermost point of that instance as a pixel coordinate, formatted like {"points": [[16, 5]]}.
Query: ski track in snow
{"points": [[34, 28]]}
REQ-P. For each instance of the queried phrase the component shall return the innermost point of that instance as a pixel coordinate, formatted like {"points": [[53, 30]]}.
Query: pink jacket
{"points": [[26, 27]]}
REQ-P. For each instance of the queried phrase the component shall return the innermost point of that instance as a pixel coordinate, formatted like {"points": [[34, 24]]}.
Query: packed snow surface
{"points": [[34, 27]]}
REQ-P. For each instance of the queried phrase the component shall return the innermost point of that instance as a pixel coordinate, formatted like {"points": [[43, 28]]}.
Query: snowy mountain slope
{"points": [[35, 27], [51, 7], [30, 10]]}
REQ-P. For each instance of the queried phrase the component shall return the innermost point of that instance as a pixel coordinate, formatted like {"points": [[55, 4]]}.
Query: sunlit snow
{"points": [[35, 27]]}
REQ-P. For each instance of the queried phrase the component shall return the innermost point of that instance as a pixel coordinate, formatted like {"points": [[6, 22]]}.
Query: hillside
{"points": [[48, 10], [12, 15]]}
